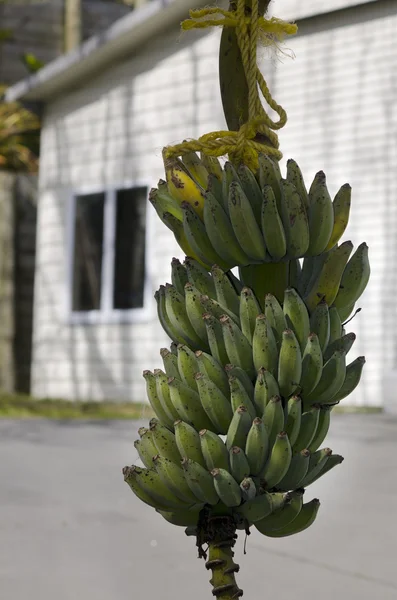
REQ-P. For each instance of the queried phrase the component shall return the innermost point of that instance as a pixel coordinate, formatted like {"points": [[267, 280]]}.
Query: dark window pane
{"points": [[87, 261], [129, 267]]}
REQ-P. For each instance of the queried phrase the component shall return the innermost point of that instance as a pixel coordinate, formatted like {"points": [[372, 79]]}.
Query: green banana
{"points": [[309, 424], [214, 450], [317, 462], [273, 417], [333, 461], [143, 483], [256, 509], [196, 168], [172, 477], [331, 381], [296, 316], [275, 317], [163, 202], [238, 428], [289, 364], [320, 324], [322, 428], [221, 234], [344, 343], [341, 209], [145, 452], [227, 488], [199, 277], [170, 363], [278, 462], [208, 365], [176, 227], [163, 393], [154, 400], [295, 221], [215, 404], [173, 348], [225, 291], [244, 224], [176, 311], [214, 308], [335, 325], [294, 176], [212, 164], [248, 489], [251, 189], [164, 440], [296, 472], [326, 285], [200, 481], [215, 338], [321, 215], [256, 446], [344, 313], [239, 467], [164, 318], [178, 276], [266, 387], [187, 366], [269, 175], [233, 371], [264, 346], [282, 517], [305, 518], [248, 311], [293, 418], [312, 365], [306, 274], [354, 279], [351, 381], [239, 397], [188, 442], [188, 405], [195, 310], [181, 518], [272, 226], [238, 348]]}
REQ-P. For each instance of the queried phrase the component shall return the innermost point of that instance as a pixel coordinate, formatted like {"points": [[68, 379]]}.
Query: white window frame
{"points": [[107, 314]]}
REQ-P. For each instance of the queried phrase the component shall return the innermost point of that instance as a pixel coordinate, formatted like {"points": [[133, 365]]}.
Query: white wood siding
{"points": [[341, 95]]}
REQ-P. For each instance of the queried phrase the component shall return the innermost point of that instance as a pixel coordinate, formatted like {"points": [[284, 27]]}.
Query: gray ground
{"points": [[70, 529]]}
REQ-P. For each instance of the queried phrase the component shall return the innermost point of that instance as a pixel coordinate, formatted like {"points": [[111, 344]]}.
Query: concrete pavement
{"points": [[70, 528]]}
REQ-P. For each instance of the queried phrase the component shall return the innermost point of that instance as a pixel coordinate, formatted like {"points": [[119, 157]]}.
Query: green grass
{"points": [[26, 407]]}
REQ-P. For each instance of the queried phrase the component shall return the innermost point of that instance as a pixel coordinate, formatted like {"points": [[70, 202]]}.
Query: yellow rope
{"points": [[241, 145]]}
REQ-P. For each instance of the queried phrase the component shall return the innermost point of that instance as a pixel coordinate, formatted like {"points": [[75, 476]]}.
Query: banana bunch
{"points": [[234, 217]]}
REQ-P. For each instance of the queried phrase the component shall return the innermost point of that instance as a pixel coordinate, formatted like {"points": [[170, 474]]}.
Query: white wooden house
{"points": [[110, 107]]}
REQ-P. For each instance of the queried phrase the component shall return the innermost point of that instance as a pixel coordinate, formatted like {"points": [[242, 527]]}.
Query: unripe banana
{"points": [[195, 311], [309, 424], [214, 450], [239, 397], [221, 234], [139, 482], [248, 489], [172, 477], [154, 400], [275, 317], [176, 311], [312, 365], [239, 467], [170, 363], [333, 461], [173, 348], [272, 226], [282, 517], [266, 387], [200, 481], [341, 208], [326, 285], [273, 417], [178, 276], [182, 518], [278, 462], [351, 381], [244, 224], [199, 277], [320, 324], [229, 176], [215, 338], [289, 364], [295, 221], [264, 346], [188, 442], [226, 294], [252, 190], [324, 420], [257, 445], [227, 488], [293, 418], [163, 393], [294, 176], [198, 239], [304, 519], [316, 464], [195, 168], [164, 440], [238, 428], [331, 381], [215, 404], [354, 279], [187, 366], [208, 365], [164, 318], [256, 509], [233, 371], [238, 348], [335, 325], [296, 316], [248, 311], [188, 405], [297, 471], [163, 202], [269, 175], [214, 308], [182, 187], [145, 453], [212, 164], [321, 215], [176, 227], [343, 344]]}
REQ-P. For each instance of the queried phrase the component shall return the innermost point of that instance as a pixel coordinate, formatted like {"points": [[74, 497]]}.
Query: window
{"points": [[107, 274]]}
